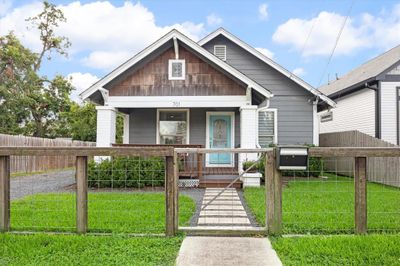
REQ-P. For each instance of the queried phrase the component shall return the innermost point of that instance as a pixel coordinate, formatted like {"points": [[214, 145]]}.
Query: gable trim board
{"points": [[268, 61], [153, 47]]}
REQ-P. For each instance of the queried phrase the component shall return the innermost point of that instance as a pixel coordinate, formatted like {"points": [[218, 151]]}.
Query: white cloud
{"points": [[213, 20], [81, 81], [106, 59], [266, 52], [365, 31], [263, 11], [100, 29], [299, 71], [5, 6]]}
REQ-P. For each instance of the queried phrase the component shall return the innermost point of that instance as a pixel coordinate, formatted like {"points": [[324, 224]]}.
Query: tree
{"points": [[30, 102], [81, 122]]}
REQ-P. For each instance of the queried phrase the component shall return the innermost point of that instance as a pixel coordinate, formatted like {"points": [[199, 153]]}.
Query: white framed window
{"points": [[176, 69], [328, 116], [267, 127], [172, 126], [220, 51]]}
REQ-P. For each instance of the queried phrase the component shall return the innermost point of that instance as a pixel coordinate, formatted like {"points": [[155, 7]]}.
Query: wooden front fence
{"points": [[380, 170], [29, 164], [273, 186]]}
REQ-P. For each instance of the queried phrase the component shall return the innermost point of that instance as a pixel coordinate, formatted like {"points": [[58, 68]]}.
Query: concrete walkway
{"points": [[221, 251], [225, 210]]}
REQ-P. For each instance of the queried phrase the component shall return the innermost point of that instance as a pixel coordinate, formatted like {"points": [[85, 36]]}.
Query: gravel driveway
{"points": [[41, 183]]}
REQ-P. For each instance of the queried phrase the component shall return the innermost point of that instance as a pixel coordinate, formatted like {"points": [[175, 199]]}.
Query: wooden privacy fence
{"points": [[380, 170], [28, 164]]}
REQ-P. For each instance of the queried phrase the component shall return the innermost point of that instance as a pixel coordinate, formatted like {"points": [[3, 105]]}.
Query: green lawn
{"points": [[108, 212], [339, 250], [327, 206], [45, 249]]}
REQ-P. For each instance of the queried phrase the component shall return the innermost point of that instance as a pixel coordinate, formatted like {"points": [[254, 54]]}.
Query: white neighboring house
{"points": [[367, 99]]}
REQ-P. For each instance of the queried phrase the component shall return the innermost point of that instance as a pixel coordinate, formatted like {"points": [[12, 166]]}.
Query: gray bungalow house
{"points": [[216, 93]]}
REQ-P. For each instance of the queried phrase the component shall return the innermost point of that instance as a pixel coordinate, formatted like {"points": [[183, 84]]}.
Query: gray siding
{"points": [[295, 117], [143, 128]]}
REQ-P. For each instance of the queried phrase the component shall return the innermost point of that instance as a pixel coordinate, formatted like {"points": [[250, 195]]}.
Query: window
{"points": [[176, 69], [220, 52], [173, 127], [328, 116], [267, 130]]}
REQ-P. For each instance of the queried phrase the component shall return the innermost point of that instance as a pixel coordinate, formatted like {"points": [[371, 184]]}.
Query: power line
{"points": [[336, 42]]}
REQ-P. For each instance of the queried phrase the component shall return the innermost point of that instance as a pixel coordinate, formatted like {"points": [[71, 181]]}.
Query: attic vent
{"points": [[220, 51]]}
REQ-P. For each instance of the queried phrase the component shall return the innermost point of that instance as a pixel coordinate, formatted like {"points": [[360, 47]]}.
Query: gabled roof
{"points": [[268, 61], [190, 43], [368, 71]]}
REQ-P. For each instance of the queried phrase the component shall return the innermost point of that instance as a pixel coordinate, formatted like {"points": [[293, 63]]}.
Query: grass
{"points": [[327, 206], [339, 250], [42, 249], [108, 212]]}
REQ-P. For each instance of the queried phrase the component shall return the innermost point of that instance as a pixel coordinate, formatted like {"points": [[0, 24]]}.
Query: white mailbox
{"points": [[292, 158]]}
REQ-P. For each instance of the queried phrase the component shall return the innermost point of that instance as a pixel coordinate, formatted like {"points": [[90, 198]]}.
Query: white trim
{"points": [[208, 114], [170, 62], [275, 111], [268, 61], [177, 101], [315, 125], [215, 53], [171, 109], [189, 42]]}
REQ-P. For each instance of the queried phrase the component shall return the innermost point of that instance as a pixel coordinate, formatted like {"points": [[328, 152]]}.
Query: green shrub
{"points": [[248, 164], [127, 172]]}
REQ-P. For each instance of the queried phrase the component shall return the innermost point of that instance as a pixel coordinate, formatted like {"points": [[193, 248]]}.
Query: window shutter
{"points": [[266, 128], [220, 52]]}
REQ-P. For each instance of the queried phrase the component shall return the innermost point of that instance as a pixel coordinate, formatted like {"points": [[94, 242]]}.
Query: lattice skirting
{"points": [[189, 182]]}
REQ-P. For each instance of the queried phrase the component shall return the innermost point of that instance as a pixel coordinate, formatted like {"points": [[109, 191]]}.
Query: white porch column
{"points": [[125, 138], [106, 128], [248, 132]]}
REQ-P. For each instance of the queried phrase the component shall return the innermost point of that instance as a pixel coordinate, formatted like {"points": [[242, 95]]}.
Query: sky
{"points": [[300, 35]]}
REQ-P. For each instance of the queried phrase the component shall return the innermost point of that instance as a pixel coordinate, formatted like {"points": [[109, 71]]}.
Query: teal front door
{"points": [[220, 136]]}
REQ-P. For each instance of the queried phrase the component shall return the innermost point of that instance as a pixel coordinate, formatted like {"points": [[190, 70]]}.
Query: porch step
{"points": [[219, 183]]}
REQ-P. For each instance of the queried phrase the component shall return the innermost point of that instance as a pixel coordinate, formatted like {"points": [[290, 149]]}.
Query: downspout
{"points": [[377, 108], [315, 121]]}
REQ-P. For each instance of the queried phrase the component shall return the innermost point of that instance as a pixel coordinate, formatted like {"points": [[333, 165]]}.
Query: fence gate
{"points": [[215, 197]]}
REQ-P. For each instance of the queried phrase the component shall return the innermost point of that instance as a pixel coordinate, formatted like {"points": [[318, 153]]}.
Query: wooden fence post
{"points": [[4, 193], [176, 193], [273, 197], [81, 194], [169, 196], [360, 195]]}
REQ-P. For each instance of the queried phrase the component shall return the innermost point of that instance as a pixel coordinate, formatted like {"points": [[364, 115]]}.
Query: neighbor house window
{"points": [[173, 126], [176, 69], [267, 131], [328, 116]]}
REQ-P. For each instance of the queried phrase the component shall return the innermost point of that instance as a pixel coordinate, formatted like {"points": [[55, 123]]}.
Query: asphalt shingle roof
{"points": [[366, 71]]}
